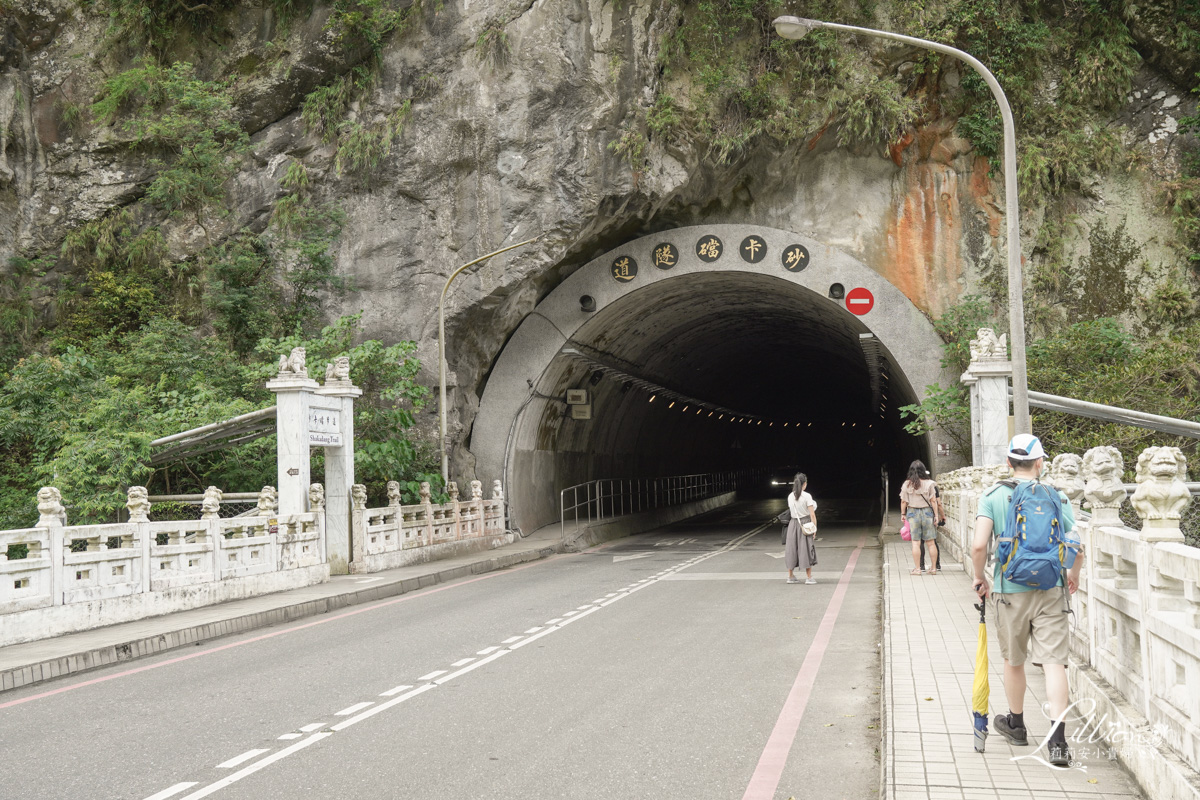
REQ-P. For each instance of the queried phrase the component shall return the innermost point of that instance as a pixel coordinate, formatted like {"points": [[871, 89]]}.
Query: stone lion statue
{"points": [[294, 363], [316, 497], [1161, 491], [452, 490], [358, 496], [426, 492], [210, 508], [987, 346], [476, 490], [497, 490], [1065, 475], [138, 503], [393, 490], [50, 507], [338, 370], [1102, 470], [268, 501]]}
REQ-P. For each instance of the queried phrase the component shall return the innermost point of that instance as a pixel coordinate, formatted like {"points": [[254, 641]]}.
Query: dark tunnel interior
{"points": [[808, 385]]}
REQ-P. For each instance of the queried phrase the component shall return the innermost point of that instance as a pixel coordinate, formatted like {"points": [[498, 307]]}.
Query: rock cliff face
{"points": [[514, 111]]}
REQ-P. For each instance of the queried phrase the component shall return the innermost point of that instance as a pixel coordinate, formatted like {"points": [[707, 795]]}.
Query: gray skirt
{"points": [[801, 550]]}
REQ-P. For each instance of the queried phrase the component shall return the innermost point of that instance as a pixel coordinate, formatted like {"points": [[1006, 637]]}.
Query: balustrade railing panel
{"points": [[26, 580]]}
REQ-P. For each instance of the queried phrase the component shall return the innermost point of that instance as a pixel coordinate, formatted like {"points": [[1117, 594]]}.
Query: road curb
{"points": [[28, 675]]}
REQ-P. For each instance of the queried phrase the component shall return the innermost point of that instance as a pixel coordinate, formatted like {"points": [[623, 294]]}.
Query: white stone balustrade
{"points": [[1137, 611], [395, 535], [141, 568]]}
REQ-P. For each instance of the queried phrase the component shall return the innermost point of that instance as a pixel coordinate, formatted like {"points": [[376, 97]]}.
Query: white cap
{"points": [[1025, 447]]}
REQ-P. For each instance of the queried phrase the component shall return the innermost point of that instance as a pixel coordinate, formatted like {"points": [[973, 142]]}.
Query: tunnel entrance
{"points": [[685, 356]]}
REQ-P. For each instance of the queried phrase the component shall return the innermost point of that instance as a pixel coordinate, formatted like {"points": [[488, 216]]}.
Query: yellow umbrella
{"points": [[980, 688]]}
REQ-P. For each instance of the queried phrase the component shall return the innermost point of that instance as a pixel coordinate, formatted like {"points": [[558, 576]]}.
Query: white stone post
{"points": [[987, 378], [293, 389], [53, 516], [338, 395]]}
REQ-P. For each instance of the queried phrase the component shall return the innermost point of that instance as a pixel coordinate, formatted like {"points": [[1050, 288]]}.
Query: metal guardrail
{"points": [[611, 497]]}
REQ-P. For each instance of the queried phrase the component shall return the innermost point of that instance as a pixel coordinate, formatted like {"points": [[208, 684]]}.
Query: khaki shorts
{"points": [[1032, 626]]}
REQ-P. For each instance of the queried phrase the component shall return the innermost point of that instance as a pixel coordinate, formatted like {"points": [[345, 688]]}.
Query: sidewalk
{"points": [[33, 662], [929, 638]]}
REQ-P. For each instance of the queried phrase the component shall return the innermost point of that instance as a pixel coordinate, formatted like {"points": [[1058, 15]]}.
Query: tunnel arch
{"points": [[813, 385]]}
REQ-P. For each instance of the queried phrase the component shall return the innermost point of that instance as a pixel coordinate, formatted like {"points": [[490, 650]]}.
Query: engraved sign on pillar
{"points": [[324, 429]]}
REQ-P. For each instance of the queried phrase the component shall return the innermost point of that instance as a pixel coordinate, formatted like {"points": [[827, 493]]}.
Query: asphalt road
{"points": [[675, 664]]}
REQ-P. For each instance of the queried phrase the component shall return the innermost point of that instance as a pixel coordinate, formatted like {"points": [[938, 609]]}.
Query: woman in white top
{"points": [[801, 550]]}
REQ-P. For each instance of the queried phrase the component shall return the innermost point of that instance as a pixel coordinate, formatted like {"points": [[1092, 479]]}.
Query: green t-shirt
{"points": [[994, 506]]}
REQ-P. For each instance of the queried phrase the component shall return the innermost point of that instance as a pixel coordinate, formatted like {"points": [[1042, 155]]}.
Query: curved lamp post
{"points": [[442, 352], [797, 28]]}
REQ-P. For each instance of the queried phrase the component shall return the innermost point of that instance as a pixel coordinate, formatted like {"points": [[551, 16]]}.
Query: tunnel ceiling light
{"points": [[652, 397], [699, 410], [600, 367], [785, 424], [836, 291], [711, 413], [685, 408]]}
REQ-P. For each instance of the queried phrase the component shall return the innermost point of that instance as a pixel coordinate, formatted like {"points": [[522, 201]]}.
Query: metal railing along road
{"points": [[611, 497]]}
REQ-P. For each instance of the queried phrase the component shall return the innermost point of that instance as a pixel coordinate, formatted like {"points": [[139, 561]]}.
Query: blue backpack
{"points": [[1034, 549]]}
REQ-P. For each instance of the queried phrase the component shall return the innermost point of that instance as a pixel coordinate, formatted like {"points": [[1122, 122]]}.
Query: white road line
{"points": [[243, 758], [315, 726], [591, 610], [478, 663], [432, 675], [291, 736], [610, 594], [176, 789], [601, 600], [370, 712], [534, 630], [462, 662], [581, 608], [535, 637], [354, 709], [368, 580], [395, 690], [554, 621], [614, 599], [256, 766], [487, 650], [570, 613], [511, 639]]}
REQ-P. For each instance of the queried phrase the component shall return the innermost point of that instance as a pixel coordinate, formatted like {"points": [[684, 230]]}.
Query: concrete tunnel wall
{"points": [[751, 337]]}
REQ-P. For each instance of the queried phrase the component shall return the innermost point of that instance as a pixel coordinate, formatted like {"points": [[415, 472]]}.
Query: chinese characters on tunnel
{"points": [[666, 256], [709, 249], [795, 257], [624, 269]]}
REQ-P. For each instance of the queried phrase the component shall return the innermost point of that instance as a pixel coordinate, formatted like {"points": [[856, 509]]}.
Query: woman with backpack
{"points": [[801, 548], [917, 503]]}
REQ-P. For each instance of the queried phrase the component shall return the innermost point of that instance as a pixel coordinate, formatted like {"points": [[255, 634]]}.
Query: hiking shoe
{"points": [[1060, 755], [1017, 736], [811, 581]]}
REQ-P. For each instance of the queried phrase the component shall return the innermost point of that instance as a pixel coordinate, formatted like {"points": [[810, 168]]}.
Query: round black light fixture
{"points": [[836, 291], [596, 376], [587, 303]]}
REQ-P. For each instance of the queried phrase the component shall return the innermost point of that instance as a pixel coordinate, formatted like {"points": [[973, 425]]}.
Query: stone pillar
{"points": [[293, 389], [987, 378], [337, 395], [52, 517]]}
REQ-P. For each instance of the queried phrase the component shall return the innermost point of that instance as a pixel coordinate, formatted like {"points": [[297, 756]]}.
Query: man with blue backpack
{"points": [[1036, 569]]}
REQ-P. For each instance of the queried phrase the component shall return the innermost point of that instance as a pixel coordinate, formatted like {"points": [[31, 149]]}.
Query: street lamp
{"points": [[797, 28], [442, 352]]}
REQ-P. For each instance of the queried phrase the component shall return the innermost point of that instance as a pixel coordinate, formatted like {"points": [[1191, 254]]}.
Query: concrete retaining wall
{"points": [[587, 536]]}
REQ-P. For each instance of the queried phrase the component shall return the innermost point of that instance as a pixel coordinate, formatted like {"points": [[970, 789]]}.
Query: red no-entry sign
{"points": [[860, 301]]}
